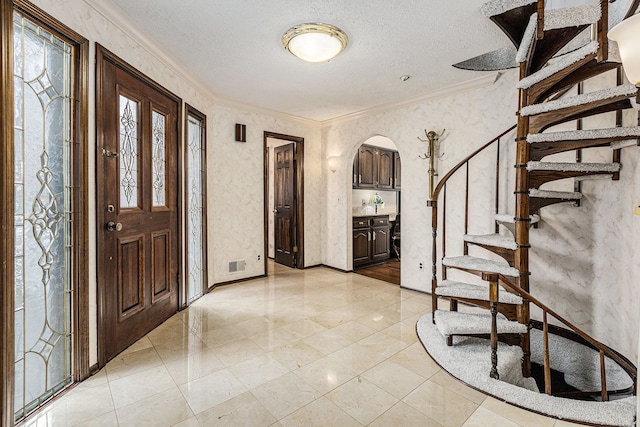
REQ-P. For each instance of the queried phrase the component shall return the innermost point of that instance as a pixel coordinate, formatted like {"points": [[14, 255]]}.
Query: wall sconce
{"points": [[627, 34], [241, 133], [333, 161]]}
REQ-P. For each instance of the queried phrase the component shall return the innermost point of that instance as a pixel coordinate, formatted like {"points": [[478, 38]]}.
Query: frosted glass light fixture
{"points": [[315, 42], [627, 34], [332, 162]]}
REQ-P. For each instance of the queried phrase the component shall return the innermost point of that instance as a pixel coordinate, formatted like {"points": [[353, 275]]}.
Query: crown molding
{"points": [[466, 86], [121, 21], [249, 108]]}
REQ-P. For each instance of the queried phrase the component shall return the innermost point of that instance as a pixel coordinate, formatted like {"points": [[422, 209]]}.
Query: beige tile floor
{"points": [[309, 347]]}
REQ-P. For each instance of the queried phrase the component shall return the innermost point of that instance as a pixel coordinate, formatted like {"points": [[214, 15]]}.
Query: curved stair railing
{"points": [[537, 41], [604, 350], [441, 187]]}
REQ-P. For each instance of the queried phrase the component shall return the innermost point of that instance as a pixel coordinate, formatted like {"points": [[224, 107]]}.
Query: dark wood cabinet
{"points": [[370, 240], [385, 169], [396, 171], [374, 167], [367, 167]]}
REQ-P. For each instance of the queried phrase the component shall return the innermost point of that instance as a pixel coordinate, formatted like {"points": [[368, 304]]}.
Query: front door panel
{"points": [[137, 208]]}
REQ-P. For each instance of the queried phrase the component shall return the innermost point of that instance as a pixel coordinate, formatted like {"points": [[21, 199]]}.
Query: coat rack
{"points": [[434, 139]]}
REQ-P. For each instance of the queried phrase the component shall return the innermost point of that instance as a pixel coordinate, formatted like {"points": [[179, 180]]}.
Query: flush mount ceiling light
{"points": [[315, 42]]}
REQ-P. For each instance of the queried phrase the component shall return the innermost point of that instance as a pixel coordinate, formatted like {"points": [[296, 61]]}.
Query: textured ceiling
{"points": [[234, 48]]}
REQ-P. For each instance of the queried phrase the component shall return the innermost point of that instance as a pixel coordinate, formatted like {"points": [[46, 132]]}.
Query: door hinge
{"points": [[295, 249]]}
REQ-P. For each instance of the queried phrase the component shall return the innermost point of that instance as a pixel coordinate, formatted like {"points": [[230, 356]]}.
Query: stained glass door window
{"points": [[43, 214], [196, 260]]}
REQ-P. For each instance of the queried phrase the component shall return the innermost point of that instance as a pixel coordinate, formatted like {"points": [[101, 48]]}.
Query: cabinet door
{"points": [[396, 171], [380, 244], [355, 172], [385, 169], [361, 247], [367, 167]]}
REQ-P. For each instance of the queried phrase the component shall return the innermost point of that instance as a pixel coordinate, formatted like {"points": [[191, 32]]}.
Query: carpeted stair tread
{"points": [[573, 167], [625, 143], [574, 135], [627, 90], [572, 16], [563, 195], [527, 39], [457, 323], [558, 65], [467, 262], [497, 240], [469, 360], [497, 7], [451, 288]]}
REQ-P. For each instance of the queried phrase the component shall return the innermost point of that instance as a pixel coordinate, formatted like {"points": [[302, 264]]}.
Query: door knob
{"points": [[275, 211], [114, 226]]}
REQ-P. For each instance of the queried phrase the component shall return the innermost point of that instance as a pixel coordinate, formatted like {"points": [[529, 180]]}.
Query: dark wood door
{"points": [[137, 207], [367, 167], [284, 205], [385, 169]]}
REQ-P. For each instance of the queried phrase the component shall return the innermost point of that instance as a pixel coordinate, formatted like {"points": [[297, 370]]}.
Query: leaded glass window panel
{"points": [[195, 209], [158, 159], [129, 153], [43, 214]]}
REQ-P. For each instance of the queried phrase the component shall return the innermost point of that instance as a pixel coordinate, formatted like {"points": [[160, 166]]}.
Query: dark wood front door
{"points": [[137, 205], [284, 202]]}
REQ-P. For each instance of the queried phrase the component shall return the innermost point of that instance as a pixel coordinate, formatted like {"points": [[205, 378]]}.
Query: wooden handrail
{"points": [[443, 181], [604, 349]]}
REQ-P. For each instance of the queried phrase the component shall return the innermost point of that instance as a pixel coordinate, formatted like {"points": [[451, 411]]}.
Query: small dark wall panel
{"points": [[131, 283], [159, 268]]}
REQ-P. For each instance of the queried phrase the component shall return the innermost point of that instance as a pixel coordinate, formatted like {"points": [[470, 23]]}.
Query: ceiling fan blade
{"points": [[500, 59]]}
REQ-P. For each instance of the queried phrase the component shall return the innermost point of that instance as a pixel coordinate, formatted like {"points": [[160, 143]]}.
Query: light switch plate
{"points": [[636, 209]]}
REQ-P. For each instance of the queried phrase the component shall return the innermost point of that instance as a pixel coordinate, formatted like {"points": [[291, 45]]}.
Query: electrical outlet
{"points": [[636, 209], [420, 266]]}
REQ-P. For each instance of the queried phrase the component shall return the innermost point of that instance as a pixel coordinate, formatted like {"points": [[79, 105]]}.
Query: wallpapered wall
{"points": [[235, 170], [584, 261]]}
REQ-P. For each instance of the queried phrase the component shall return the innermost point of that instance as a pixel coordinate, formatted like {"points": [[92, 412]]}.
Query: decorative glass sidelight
{"points": [[158, 159], [195, 209], [43, 214], [128, 153]]}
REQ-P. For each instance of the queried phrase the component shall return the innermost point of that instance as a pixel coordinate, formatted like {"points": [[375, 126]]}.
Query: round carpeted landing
{"points": [[469, 360]]}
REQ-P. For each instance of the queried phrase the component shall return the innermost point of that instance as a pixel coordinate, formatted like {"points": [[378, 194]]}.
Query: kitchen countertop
{"points": [[392, 216]]}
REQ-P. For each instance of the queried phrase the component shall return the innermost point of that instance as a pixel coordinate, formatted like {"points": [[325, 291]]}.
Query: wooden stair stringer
{"points": [[587, 70], [544, 121], [553, 41], [513, 23], [557, 171]]}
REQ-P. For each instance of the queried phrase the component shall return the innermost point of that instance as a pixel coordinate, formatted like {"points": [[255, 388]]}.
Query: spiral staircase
{"points": [[557, 50]]}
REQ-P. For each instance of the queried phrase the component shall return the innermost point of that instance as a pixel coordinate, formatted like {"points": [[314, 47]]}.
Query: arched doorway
{"points": [[376, 209]]}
